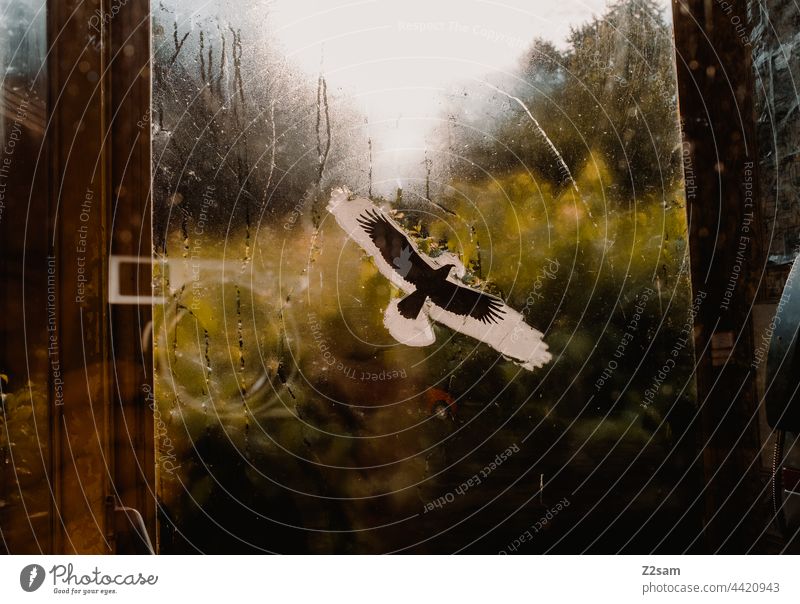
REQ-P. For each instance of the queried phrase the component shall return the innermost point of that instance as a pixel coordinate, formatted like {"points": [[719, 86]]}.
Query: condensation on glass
{"points": [[537, 149]]}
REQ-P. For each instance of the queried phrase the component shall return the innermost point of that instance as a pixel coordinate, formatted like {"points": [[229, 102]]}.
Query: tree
{"points": [[621, 92], [611, 92]]}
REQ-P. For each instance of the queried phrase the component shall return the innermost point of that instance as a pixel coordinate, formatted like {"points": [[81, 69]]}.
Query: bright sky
{"points": [[398, 56], [374, 45], [477, 35]]}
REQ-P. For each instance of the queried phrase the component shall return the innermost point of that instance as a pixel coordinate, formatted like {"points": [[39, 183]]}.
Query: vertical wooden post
{"points": [[715, 88], [79, 196], [132, 379]]}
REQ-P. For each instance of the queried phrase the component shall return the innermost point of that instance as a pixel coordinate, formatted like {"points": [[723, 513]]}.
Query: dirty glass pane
{"points": [[422, 271], [29, 359], [775, 72]]}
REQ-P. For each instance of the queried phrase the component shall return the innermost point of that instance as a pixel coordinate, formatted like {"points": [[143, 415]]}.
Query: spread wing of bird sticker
{"points": [[431, 291]]}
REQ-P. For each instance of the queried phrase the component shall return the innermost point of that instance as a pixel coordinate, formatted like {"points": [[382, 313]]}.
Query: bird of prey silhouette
{"points": [[432, 292]]}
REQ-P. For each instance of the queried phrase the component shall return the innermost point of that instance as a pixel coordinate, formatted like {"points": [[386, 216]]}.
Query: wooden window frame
{"points": [[110, 461], [99, 108]]}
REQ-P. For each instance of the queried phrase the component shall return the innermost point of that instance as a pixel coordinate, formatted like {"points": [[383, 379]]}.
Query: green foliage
{"points": [[611, 93]]}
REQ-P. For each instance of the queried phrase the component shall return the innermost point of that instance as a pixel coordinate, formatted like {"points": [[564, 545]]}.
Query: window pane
{"points": [[514, 175], [29, 361]]}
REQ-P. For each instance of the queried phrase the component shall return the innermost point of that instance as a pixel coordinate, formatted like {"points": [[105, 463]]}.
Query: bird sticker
{"points": [[433, 292]]}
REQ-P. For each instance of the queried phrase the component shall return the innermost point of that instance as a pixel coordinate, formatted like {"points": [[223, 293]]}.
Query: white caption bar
{"points": [[400, 579]]}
